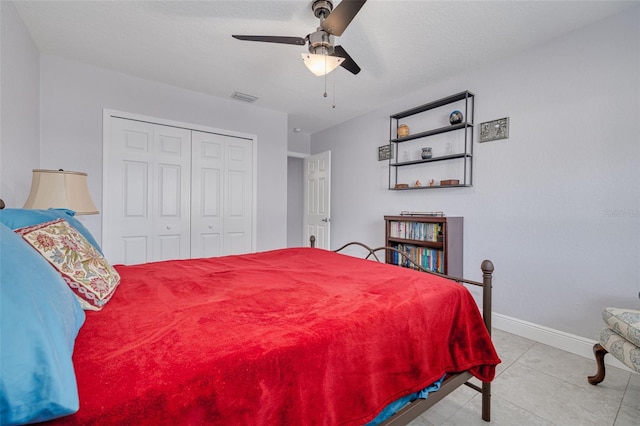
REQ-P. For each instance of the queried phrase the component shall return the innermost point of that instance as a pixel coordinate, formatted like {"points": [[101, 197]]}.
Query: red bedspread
{"points": [[286, 337]]}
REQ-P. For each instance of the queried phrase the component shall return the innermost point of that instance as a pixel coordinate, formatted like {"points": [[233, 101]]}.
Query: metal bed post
{"points": [[487, 279]]}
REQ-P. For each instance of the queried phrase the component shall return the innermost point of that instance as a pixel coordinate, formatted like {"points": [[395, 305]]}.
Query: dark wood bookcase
{"points": [[435, 242]]}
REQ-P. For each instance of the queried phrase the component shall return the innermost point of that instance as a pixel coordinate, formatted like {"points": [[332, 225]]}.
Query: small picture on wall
{"points": [[494, 130], [385, 152]]}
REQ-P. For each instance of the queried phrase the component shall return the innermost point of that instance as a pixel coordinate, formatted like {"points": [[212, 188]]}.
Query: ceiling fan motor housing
{"points": [[320, 42], [322, 8]]}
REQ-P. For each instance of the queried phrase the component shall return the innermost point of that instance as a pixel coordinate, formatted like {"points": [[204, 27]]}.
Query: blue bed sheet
{"points": [[397, 405]]}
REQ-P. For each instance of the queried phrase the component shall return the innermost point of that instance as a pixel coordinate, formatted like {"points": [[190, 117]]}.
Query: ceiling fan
{"points": [[323, 56]]}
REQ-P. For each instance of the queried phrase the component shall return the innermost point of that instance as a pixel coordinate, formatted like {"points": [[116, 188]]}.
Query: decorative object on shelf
{"points": [[426, 153], [450, 182], [449, 150], [432, 182], [60, 189], [401, 186], [455, 117], [418, 184], [403, 131]]}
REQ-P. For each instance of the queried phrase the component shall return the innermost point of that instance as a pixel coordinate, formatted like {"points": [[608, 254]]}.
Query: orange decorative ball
{"points": [[403, 130]]}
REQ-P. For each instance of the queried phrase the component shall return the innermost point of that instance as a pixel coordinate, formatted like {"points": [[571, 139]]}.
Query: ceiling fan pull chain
{"points": [[334, 91], [325, 76]]}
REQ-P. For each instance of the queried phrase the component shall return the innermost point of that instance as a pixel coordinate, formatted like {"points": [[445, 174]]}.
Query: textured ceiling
{"points": [[400, 45]]}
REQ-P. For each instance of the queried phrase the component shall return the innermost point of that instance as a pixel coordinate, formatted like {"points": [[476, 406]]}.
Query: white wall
{"points": [[19, 122], [73, 96], [556, 206], [299, 142]]}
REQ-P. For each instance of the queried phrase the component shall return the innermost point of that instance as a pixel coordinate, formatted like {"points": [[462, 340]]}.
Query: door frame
{"points": [[107, 114]]}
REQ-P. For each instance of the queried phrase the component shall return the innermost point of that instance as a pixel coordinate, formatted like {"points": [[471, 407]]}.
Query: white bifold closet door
{"points": [[174, 193], [222, 195]]}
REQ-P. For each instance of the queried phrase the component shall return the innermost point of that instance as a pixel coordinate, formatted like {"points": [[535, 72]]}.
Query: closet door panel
{"points": [[135, 249], [136, 189], [172, 189], [168, 246], [207, 168], [211, 182], [147, 192], [238, 214], [169, 190], [128, 197], [236, 242]]}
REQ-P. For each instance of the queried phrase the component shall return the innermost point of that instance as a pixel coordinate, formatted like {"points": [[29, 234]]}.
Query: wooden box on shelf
{"points": [[435, 242]]}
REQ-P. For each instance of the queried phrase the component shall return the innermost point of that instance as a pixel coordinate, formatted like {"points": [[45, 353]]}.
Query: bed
{"points": [[290, 336]]}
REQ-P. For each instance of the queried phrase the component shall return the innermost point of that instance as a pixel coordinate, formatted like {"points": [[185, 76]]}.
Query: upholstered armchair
{"points": [[620, 338]]}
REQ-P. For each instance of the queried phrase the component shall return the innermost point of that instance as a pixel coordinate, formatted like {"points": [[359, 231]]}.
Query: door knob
{"points": [[325, 219], [169, 227]]}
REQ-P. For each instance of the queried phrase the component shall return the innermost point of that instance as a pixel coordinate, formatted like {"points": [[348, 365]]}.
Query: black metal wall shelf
{"points": [[465, 102]]}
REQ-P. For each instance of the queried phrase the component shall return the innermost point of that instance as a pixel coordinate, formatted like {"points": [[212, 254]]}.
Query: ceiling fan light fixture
{"points": [[321, 64]]}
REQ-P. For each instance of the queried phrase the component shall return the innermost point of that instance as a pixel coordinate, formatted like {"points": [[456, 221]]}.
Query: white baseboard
{"points": [[558, 339]]}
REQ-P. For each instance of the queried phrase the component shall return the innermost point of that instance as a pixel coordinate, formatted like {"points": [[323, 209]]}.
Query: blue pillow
{"points": [[20, 218], [39, 321]]}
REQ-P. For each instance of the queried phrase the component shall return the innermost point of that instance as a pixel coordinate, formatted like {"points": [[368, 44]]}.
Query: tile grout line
{"points": [[626, 388]]}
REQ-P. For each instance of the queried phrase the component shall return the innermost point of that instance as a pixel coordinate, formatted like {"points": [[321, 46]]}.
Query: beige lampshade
{"points": [[60, 189]]}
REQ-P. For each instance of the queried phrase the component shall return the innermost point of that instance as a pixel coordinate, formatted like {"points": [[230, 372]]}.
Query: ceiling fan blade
{"points": [[342, 15], [348, 63], [273, 39]]}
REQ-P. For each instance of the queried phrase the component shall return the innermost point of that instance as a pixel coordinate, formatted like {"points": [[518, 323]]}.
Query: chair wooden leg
{"points": [[486, 402], [599, 352]]}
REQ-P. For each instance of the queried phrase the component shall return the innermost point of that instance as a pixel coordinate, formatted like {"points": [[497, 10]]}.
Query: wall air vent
{"points": [[244, 97]]}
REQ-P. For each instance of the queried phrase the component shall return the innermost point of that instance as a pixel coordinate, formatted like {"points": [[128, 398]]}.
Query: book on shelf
{"points": [[421, 231], [428, 258]]}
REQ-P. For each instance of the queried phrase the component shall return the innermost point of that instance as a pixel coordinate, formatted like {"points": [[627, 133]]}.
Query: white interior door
{"points": [[146, 192], [317, 199]]}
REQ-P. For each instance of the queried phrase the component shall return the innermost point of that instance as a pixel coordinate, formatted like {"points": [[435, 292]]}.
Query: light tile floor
{"points": [[539, 385]]}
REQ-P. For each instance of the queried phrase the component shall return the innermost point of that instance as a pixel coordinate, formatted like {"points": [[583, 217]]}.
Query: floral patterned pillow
{"points": [[82, 267]]}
